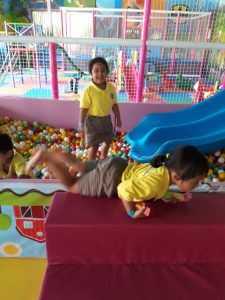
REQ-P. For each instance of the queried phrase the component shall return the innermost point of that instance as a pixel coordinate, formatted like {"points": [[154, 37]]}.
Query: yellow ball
{"points": [[222, 176], [210, 172]]}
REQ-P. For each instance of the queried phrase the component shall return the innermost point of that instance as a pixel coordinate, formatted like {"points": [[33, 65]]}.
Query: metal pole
{"points": [[143, 51], [125, 26], [197, 37], [10, 58], [50, 28], [204, 51], [174, 49], [93, 24], [36, 56], [189, 36], [62, 30], [164, 37], [118, 27]]}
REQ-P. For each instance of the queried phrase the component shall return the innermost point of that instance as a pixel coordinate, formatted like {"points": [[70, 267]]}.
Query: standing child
{"points": [[134, 183], [12, 164], [97, 102]]}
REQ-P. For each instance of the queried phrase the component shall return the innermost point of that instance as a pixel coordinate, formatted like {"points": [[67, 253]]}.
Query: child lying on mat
{"points": [[12, 164], [134, 183]]}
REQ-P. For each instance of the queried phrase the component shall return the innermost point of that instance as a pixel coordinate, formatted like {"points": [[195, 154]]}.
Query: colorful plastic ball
{"points": [[36, 124], [25, 124], [215, 179], [26, 154], [37, 173], [22, 137], [221, 160], [222, 176], [68, 149], [217, 153]]}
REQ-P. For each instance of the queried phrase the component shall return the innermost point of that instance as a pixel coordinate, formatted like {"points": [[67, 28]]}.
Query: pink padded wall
{"points": [[64, 113]]}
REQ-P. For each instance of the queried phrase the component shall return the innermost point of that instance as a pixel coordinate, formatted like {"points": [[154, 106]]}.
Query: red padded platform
{"points": [[95, 251]]}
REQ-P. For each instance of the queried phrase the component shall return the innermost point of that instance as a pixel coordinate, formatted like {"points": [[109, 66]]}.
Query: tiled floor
{"points": [[21, 278]]}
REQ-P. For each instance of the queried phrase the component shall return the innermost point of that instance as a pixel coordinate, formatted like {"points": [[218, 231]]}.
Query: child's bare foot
{"points": [[35, 159]]}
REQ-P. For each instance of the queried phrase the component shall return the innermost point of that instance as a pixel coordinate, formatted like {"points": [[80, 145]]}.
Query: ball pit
{"points": [[216, 166], [26, 136]]}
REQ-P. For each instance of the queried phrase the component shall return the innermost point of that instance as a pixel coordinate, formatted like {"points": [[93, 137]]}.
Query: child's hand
{"points": [[81, 131], [187, 196], [142, 211], [136, 209]]}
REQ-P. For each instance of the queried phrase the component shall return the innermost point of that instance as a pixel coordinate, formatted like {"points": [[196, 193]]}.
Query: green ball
{"points": [[26, 154], [22, 137], [25, 124]]}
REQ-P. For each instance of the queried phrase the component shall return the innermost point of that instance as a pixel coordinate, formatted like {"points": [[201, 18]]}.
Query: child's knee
{"points": [[74, 188]]}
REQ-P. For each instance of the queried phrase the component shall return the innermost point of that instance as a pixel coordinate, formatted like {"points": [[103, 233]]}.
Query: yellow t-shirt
{"points": [[16, 168], [99, 102], [143, 182]]}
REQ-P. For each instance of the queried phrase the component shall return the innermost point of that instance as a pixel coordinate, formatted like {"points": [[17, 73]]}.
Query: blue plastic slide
{"points": [[201, 125]]}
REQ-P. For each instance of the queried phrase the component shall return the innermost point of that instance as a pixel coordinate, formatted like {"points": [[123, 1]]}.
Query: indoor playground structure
{"points": [[28, 65], [163, 74]]}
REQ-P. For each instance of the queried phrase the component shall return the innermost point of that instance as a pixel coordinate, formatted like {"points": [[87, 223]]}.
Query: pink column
{"points": [[53, 64], [143, 50]]}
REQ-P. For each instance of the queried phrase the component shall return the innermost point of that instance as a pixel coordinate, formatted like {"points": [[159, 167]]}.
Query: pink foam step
{"points": [[97, 230]]}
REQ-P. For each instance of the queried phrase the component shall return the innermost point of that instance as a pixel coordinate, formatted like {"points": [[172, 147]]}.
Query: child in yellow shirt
{"points": [[12, 164], [134, 183], [97, 102]]}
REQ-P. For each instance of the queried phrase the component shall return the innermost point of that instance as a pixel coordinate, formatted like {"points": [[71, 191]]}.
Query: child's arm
{"points": [[83, 114], [116, 111], [134, 192], [174, 197]]}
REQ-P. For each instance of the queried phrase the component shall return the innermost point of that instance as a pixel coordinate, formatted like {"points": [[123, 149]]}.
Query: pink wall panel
{"points": [[65, 113]]}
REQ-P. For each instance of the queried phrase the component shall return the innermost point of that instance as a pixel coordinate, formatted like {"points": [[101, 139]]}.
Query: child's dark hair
{"points": [[187, 161], [97, 60], [6, 143]]}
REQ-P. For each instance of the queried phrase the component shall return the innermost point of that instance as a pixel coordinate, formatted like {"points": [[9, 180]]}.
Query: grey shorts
{"points": [[98, 130], [102, 177]]}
